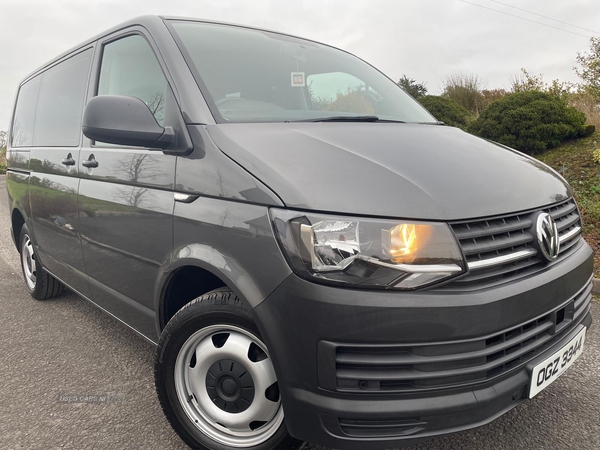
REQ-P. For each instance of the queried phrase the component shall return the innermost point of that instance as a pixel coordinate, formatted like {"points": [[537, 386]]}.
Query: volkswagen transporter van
{"points": [[316, 257]]}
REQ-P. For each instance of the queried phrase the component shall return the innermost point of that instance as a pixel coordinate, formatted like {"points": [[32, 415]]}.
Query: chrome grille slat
{"points": [[502, 259], [565, 246], [570, 234], [503, 248], [520, 265]]}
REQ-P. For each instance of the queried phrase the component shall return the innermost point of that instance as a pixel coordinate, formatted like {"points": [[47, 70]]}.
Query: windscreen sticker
{"points": [[298, 79]]}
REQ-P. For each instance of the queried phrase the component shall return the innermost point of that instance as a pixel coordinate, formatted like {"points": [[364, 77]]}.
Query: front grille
{"points": [[417, 367], [500, 249]]}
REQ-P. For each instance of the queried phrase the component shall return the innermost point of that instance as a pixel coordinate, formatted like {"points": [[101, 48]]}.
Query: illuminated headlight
{"points": [[368, 252]]}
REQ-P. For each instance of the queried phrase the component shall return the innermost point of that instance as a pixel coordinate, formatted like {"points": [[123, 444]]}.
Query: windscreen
{"points": [[257, 76]]}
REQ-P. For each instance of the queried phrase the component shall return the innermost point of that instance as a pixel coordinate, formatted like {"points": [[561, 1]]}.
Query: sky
{"points": [[427, 40]]}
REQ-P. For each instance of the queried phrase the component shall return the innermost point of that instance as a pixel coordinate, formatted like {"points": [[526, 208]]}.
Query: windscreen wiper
{"points": [[348, 119]]}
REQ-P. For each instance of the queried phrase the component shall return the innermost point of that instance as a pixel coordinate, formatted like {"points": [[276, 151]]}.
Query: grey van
{"points": [[316, 257]]}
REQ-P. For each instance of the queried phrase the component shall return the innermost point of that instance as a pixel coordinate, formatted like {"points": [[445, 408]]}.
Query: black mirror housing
{"points": [[121, 120]]}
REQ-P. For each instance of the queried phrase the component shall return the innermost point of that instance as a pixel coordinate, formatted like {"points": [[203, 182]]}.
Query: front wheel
{"points": [[215, 379]]}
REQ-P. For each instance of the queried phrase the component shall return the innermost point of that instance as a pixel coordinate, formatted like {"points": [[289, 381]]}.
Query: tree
{"points": [[410, 85], [136, 168], [589, 71], [491, 95], [526, 81], [465, 90], [3, 140]]}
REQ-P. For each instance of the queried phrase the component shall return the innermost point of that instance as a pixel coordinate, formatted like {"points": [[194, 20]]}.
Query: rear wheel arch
{"points": [[17, 222]]}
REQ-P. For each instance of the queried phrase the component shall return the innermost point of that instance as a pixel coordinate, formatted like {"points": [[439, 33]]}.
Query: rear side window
{"points": [[129, 67], [22, 126], [60, 103]]}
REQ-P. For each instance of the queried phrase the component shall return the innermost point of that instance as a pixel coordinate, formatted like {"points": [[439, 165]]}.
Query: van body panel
{"points": [[128, 193], [18, 160], [55, 217], [228, 239], [209, 172], [54, 180], [113, 212]]}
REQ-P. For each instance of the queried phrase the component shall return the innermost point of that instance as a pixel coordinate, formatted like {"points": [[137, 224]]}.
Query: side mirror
{"points": [[117, 119]]}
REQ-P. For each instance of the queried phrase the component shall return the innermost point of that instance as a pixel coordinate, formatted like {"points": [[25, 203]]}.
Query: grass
{"points": [[574, 160]]}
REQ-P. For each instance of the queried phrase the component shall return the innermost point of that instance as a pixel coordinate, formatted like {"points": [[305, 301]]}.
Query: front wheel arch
{"points": [[215, 278], [183, 285]]}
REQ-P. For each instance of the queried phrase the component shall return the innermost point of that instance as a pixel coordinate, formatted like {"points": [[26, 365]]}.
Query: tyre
{"points": [[215, 380], [40, 284]]}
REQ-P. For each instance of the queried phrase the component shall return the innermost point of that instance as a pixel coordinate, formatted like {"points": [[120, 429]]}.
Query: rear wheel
{"points": [[215, 379], [40, 284]]}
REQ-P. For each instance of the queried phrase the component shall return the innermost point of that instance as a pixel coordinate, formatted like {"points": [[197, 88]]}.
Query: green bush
{"points": [[447, 111], [530, 121], [588, 130]]}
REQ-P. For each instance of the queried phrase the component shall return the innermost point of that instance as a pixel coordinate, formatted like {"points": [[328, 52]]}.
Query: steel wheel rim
{"points": [[28, 262], [197, 357]]}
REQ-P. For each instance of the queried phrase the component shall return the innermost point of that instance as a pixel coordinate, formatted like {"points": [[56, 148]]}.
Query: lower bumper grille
{"points": [[381, 428], [418, 367]]}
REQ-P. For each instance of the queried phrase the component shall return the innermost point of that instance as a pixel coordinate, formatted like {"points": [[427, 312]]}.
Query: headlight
{"points": [[368, 252]]}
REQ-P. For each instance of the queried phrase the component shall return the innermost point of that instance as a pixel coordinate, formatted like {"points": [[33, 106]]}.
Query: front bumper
{"points": [[303, 323]]}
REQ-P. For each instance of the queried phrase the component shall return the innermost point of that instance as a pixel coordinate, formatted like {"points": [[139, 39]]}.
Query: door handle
{"points": [[68, 161], [90, 163]]}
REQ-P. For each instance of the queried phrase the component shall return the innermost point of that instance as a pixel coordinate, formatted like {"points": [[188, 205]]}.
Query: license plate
{"points": [[546, 372]]}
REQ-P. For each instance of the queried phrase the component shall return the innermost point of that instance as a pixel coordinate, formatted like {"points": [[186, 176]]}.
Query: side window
{"points": [[22, 126], [129, 67], [341, 92], [60, 103]]}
